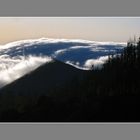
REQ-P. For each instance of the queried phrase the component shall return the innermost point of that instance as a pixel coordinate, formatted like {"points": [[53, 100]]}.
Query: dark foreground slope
{"points": [[51, 87]]}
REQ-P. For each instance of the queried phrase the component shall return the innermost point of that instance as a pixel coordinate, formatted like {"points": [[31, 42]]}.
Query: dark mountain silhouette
{"points": [[41, 94], [44, 80]]}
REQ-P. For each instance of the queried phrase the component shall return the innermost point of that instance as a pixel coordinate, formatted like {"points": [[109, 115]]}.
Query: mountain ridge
{"points": [[41, 81]]}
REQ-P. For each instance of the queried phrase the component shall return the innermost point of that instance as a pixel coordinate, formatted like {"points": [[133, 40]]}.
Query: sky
{"points": [[119, 29]]}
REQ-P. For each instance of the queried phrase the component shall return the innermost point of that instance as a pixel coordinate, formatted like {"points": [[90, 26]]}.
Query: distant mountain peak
{"points": [[43, 80]]}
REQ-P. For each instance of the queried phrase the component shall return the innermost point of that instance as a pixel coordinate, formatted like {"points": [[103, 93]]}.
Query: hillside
{"points": [[46, 79], [47, 88]]}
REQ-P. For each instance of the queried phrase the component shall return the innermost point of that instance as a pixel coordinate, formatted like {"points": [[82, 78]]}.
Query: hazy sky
{"points": [[97, 29]]}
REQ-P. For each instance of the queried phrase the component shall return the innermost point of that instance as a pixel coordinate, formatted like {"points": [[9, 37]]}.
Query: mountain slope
{"points": [[45, 79]]}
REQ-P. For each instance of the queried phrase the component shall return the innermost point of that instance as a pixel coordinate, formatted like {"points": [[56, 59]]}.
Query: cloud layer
{"points": [[96, 63], [20, 57], [12, 69]]}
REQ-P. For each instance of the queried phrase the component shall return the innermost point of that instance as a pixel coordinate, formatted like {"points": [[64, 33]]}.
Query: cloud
{"points": [[80, 47], [95, 63], [14, 69], [76, 65], [61, 51]]}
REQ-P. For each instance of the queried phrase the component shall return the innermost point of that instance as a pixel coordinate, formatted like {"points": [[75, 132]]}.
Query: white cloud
{"points": [[61, 51], [11, 71], [76, 64], [95, 63], [80, 47]]}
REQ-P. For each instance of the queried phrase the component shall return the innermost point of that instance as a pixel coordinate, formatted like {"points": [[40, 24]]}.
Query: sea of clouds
{"points": [[21, 57]]}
